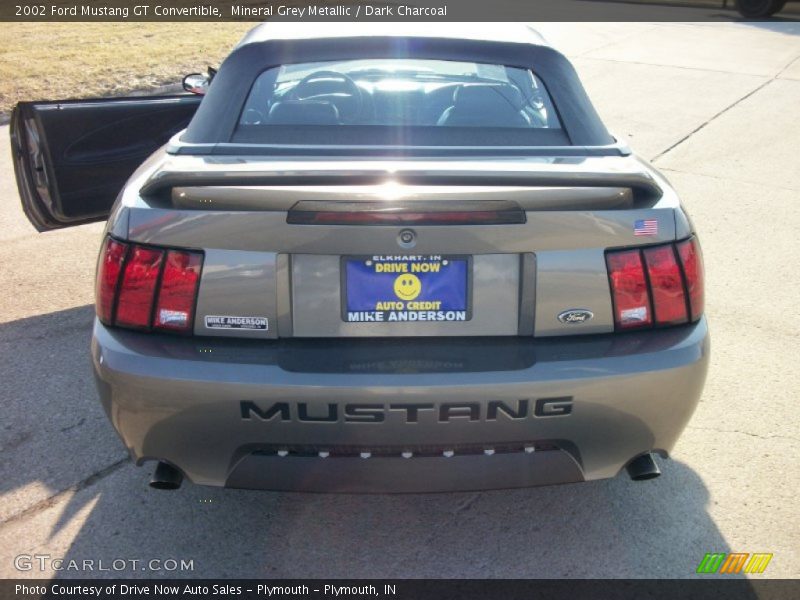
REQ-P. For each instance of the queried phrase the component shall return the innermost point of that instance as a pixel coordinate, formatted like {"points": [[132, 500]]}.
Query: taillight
{"points": [[656, 285], [138, 287], [666, 283], [692, 261], [111, 258], [175, 306], [629, 289], [147, 287]]}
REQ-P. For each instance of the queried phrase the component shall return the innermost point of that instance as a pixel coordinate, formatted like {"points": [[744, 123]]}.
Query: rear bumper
{"points": [[514, 412]]}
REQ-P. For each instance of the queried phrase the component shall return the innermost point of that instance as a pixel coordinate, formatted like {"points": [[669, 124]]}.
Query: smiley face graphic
{"points": [[407, 286]]}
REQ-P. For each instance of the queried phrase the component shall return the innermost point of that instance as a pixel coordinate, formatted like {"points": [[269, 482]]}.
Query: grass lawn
{"points": [[56, 61]]}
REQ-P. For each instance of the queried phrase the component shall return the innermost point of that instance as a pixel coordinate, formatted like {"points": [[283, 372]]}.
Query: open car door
{"points": [[72, 158]]}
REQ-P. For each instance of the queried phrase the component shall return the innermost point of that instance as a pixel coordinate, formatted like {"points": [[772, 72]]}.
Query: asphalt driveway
{"points": [[717, 106]]}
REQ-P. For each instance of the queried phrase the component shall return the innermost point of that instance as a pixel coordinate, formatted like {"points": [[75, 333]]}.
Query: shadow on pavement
{"points": [[602, 529], [788, 25], [54, 433], [57, 436]]}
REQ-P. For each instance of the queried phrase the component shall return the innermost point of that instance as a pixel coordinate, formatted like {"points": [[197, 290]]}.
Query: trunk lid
{"points": [[265, 257]]}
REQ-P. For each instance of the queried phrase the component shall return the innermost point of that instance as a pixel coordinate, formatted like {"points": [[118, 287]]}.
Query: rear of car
{"points": [[395, 264]]}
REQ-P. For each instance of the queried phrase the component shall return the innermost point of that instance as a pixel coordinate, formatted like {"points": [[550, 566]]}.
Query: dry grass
{"points": [[40, 61]]}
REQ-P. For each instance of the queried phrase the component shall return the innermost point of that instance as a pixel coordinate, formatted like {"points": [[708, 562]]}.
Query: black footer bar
{"points": [[403, 589]]}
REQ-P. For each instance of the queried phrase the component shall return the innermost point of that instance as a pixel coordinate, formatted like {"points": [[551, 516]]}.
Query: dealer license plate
{"points": [[403, 289]]}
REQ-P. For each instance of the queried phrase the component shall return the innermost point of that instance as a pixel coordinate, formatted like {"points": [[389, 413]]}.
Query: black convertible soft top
{"points": [[216, 120]]}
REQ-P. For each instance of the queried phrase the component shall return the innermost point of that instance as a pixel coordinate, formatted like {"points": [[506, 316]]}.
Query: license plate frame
{"points": [[457, 261]]}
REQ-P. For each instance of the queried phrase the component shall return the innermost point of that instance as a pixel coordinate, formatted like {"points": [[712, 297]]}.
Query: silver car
{"points": [[377, 263]]}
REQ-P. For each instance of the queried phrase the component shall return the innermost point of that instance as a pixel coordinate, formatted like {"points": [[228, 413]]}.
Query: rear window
{"points": [[399, 101]]}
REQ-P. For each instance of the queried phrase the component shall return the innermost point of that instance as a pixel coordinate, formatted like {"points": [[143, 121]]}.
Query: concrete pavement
{"points": [[718, 108]]}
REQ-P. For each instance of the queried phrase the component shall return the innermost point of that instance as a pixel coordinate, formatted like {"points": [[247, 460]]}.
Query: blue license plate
{"points": [[402, 289]]}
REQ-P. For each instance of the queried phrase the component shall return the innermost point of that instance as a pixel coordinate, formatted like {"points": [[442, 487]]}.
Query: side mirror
{"points": [[196, 83]]}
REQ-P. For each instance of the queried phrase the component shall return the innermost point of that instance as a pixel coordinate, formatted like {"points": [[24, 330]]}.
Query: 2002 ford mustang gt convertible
{"points": [[371, 263]]}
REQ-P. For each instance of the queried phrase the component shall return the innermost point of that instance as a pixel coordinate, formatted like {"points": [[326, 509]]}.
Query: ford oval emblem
{"points": [[575, 316]]}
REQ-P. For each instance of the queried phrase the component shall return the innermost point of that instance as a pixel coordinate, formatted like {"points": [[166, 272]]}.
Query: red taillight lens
{"points": [[692, 262], [175, 308], [111, 258], [673, 283], [138, 287], [666, 284], [629, 289], [145, 287]]}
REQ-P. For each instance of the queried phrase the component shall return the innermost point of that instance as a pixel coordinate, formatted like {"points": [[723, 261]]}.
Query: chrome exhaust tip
{"points": [[643, 467], [166, 477]]}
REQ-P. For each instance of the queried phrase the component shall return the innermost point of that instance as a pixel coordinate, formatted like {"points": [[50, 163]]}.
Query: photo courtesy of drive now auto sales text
{"points": [[303, 305], [192, 590]]}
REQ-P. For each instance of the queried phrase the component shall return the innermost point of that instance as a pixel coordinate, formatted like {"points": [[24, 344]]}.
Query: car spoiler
{"points": [[558, 172]]}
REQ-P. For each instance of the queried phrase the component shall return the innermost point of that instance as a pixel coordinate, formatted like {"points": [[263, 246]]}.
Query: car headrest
{"points": [[301, 112], [482, 95]]}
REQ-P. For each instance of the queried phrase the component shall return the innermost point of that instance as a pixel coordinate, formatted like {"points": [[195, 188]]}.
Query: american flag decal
{"points": [[646, 227]]}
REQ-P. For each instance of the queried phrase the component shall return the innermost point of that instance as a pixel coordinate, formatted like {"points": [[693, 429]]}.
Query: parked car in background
{"points": [[755, 9]]}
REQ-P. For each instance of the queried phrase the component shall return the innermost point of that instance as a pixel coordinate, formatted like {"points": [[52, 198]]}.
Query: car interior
{"points": [[385, 93]]}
